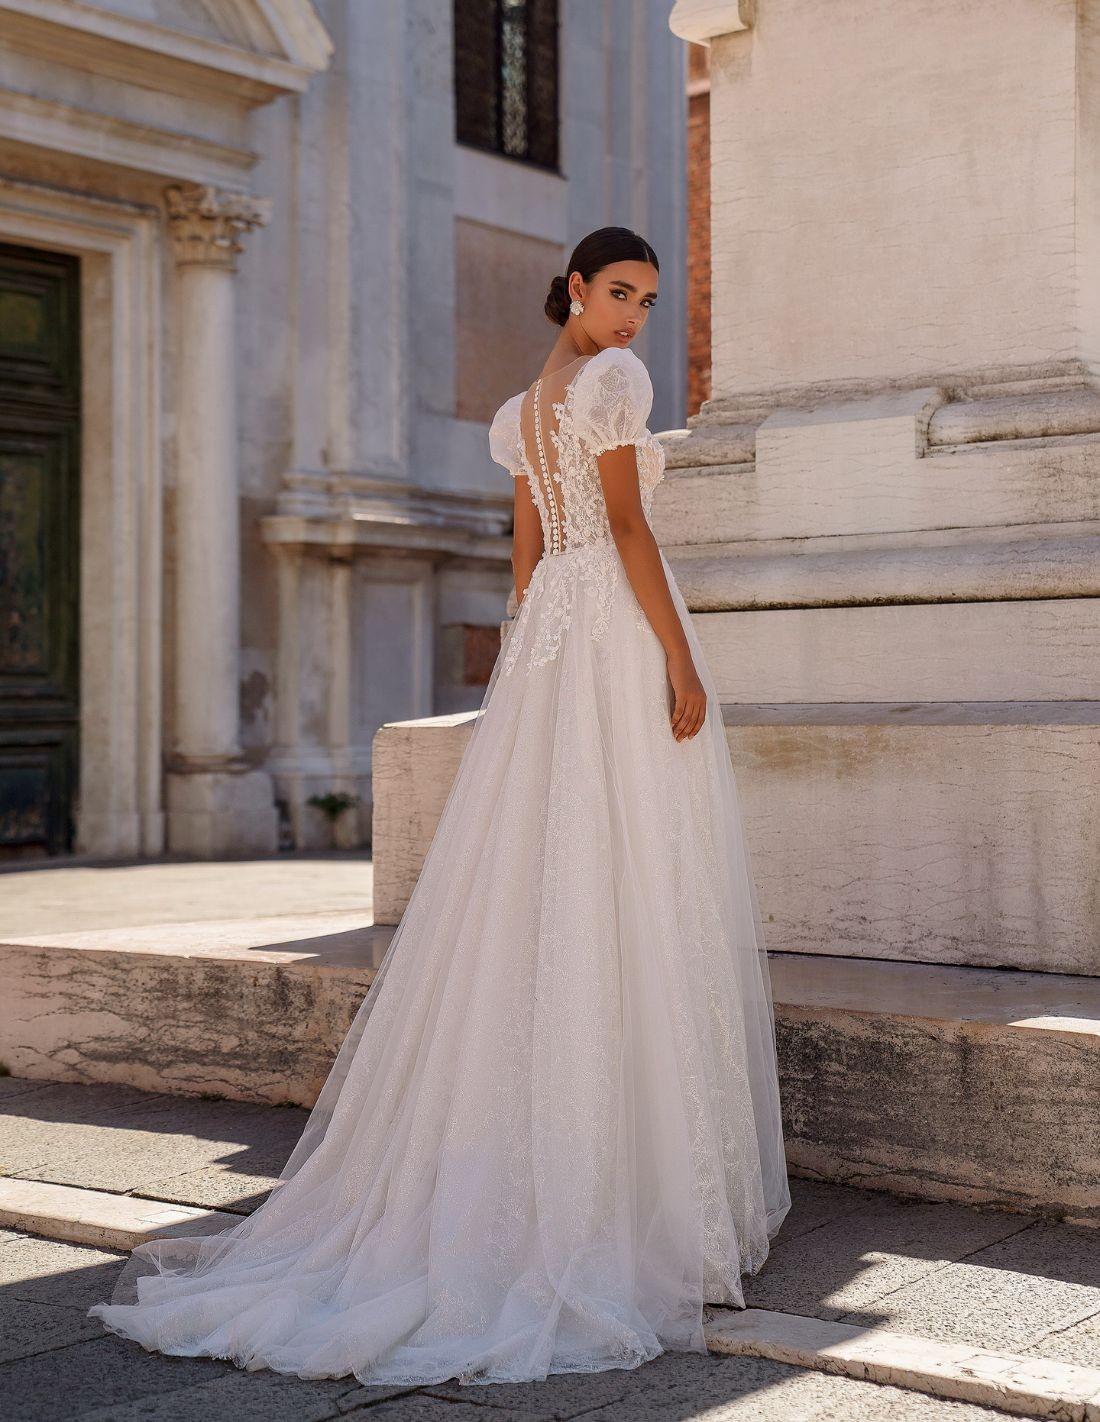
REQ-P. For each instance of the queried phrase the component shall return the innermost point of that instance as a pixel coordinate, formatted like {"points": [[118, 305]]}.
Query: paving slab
{"points": [[1028, 1386], [1009, 1295], [28, 1328], [220, 1154], [1077, 1343], [98, 1217], [683, 1386], [67, 896], [856, 1256], [852, 1261], [61, 1376]]}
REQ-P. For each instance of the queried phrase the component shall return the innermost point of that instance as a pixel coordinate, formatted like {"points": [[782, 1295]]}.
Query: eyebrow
{"points": [[630, 286]]}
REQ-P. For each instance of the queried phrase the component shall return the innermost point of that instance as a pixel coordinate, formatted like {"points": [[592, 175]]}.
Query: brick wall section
{"points": [[698, 226]]}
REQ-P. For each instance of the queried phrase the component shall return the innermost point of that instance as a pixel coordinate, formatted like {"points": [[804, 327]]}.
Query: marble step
{"points": [[893, 463], [925, 830], [941, 566], [966, 1084]]}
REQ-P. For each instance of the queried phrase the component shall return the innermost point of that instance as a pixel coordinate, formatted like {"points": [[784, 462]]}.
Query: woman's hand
{"points": [[689, 696]]}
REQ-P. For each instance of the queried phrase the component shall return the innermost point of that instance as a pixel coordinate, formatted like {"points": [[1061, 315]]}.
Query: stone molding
{"points": [[703, 20], [239, 65], [87, 134], [973, 410], [206, 223]]}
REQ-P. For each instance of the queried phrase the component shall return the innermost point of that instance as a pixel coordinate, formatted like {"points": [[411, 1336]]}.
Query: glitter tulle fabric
{"points": [[552, 1133]]}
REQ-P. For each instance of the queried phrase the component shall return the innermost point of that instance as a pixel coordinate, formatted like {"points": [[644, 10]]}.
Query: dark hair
{"points": [[591, 254]]}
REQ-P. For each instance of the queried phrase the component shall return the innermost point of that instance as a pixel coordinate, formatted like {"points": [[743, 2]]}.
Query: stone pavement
{"points": [[57, 1365], [957, 1301], [943, 1273], [76, 894]]}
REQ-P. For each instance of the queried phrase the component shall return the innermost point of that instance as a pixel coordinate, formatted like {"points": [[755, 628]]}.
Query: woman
{"points": [[552, 1131]]}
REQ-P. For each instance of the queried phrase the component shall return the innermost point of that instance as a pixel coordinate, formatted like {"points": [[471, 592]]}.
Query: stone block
{"points": [[1041, 650], [950, 1083], [944, 833]]}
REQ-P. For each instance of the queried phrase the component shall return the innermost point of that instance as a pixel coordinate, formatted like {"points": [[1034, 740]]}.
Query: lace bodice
{"points": [[605, 404]]}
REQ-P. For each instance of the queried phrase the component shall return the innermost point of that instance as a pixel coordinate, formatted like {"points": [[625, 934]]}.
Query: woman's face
{"points": [[617, 302]]}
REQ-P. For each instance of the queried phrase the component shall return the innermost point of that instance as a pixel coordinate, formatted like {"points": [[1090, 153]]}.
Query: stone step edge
{"points": [[1029, 1386], [1033, 1387], [98, 1217]]}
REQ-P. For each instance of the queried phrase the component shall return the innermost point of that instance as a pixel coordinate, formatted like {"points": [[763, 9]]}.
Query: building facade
{"points": [[267, 268]]}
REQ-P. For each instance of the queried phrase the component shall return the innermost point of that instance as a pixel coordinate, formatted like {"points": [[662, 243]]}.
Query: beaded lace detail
{"points": [[553, 519], [606, 404]]}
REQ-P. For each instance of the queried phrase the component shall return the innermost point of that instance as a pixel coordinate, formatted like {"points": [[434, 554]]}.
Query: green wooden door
{"points": [[39, 549]]}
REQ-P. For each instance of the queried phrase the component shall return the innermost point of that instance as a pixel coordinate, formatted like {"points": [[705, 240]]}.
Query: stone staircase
{"points": [[953, 1083], [976, 1084], [898, 596]]}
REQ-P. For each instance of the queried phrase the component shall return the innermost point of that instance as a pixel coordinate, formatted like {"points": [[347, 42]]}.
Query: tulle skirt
{"points": [[552, 1132]]}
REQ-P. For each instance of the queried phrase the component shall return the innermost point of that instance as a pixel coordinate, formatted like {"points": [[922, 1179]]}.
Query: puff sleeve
{"points": [[612, 401], [504, 436]]}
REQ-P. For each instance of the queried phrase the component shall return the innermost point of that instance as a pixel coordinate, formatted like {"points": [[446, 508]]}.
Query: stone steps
{"points": [[248, 1009], [874, 570], [965, 1084], [925, 830], [951, 1083]]}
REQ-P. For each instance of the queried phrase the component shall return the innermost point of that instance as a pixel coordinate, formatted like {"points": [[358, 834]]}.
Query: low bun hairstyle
{"points": [[557, 301], [591, 254]]}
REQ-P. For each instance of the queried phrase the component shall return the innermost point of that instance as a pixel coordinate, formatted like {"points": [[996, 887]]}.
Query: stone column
{"points": [[217, 804]]}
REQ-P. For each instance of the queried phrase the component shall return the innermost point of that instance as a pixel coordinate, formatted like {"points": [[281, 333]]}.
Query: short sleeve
{"points": [[504, 436], [612, 401]]}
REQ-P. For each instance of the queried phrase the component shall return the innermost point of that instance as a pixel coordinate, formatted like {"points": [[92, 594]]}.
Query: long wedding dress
{"points": [[552, 1132]]}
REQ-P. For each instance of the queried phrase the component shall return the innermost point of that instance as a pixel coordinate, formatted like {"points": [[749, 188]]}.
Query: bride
{"points": [[552, 1132]]}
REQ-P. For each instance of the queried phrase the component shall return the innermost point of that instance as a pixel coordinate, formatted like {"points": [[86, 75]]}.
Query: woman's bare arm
{"points": [[642, 560], [526, 535]]}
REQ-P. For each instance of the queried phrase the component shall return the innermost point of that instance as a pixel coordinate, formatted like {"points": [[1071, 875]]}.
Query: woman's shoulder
{"points": [[613, 399], [612, 383], [510, 408], [504, 433], [619, 372], [617, 358]]}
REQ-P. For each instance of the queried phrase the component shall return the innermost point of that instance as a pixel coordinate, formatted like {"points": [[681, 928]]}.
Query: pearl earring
{"points": [[576, 306]]}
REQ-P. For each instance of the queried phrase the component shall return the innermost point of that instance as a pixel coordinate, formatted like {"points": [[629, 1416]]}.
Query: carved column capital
{"points": [[207, 223]]}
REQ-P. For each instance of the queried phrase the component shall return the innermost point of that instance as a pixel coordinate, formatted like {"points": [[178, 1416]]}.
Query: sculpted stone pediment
{"points": [[253, 49]]}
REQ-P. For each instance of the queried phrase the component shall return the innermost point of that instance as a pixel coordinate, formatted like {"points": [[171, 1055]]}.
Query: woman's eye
{"points": [[646, 301]]}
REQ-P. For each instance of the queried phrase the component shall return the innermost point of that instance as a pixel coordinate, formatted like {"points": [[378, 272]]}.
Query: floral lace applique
{"points": [[604, 405]]}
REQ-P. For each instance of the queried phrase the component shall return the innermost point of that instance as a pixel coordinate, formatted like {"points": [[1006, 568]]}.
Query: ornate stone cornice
{"points": [[207, 223], [702, 20]]}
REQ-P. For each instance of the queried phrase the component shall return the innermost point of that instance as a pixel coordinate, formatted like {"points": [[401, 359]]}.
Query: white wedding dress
{"points": [[552, 1132]]}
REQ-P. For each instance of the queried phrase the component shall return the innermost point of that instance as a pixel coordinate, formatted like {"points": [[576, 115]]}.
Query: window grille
{"points": [[506, 77]]}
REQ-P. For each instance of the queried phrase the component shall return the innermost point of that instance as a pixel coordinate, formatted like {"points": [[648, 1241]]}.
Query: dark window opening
{"points": [[506, 77]]}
